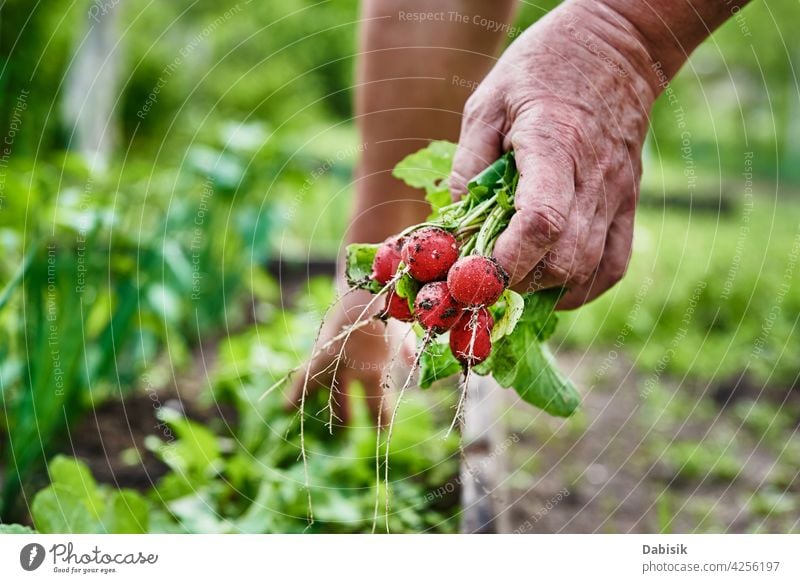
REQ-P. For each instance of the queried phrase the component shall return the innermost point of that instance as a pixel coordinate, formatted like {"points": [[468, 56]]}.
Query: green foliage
{"points": [[358, 266], [15, 529], [521, 359], [429, 169], [248, 478], [109, 276], [705, 298], [702, 460], [513, 308], [74, 503]]}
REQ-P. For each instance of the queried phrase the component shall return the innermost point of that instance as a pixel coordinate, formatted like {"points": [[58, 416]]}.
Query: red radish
{"points": [[476, 280], [384, 266], [397, 308], [429, 253], [471, 337], [435, 308]]}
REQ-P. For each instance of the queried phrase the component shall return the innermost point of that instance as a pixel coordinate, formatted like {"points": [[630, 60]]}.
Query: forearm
{"points": [[409, 92], [671, 29]]}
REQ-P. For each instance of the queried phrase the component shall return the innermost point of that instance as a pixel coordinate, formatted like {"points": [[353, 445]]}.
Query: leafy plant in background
{"points": [[702, 301], [75, 503], [104, 285], [246, 477]]}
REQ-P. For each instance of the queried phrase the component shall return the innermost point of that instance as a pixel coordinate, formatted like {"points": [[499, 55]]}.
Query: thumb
{"points": [[480, 142]]}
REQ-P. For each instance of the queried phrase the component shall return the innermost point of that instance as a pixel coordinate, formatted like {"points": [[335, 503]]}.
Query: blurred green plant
{"points": [[246, 476], [111, 277], [702, 300]]}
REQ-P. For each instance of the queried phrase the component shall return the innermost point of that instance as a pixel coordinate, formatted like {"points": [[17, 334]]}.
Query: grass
{"points": [[705, 297]]}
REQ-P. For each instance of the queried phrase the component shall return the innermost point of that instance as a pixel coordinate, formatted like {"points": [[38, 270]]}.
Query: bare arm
{"points": [[417, 60], [413, 57]]}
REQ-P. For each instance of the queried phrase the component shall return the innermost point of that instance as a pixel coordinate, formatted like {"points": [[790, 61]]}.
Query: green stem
{"points": [[476, 212], [494, 223]]}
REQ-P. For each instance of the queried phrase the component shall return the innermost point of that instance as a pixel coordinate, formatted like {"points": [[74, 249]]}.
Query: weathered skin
{"points": [[572, 96]]}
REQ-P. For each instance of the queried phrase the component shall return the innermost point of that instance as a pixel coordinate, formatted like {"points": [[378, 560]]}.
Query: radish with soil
{"points": [[476, 280], [429, 253], [470, 337], [387, 259], [435, 309]]}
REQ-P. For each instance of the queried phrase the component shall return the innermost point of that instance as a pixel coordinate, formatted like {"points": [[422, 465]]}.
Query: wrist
{"points": [[669, 31]]}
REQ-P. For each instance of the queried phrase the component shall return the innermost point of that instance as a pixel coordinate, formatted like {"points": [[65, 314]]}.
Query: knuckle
{"points": [[563, 135], [582, 278], [559, 272], [543, 224], [473, 108], [481, 108]]}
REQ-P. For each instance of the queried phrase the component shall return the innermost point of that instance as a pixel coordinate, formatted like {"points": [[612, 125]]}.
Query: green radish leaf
{"points": [[58, 509], [407, 287], [505, 199], [359, 258], [510, 175], [437, 362], [521, 361], [515, 306], [196, 452], [478, 193], [438, 199], [428, 168], [16, 529], [73, 473], [489, 177], [127, 513]]}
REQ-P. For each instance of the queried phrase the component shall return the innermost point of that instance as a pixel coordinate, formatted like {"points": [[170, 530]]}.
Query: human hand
{"points": [[362, 357], [571, 96]]}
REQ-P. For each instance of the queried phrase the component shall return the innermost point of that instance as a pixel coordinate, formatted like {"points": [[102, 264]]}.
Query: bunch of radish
{"points": [[441, 277], [453, 293]]}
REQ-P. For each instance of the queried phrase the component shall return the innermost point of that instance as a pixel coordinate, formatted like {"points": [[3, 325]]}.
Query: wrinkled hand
{"points": [[571, 96], [364, 360]]}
